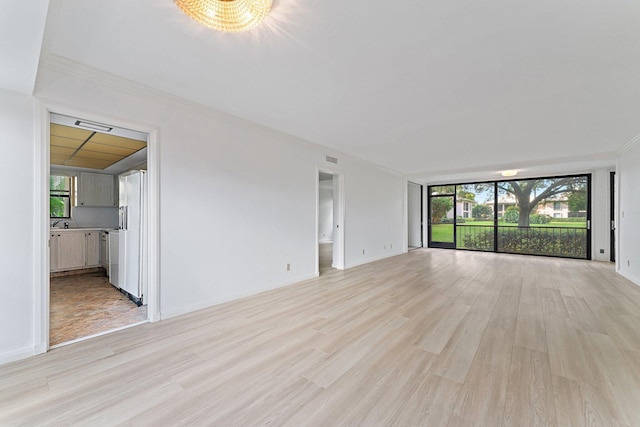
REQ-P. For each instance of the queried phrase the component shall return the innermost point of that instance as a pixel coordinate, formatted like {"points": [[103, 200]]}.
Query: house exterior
{"points": [[464, 207]]}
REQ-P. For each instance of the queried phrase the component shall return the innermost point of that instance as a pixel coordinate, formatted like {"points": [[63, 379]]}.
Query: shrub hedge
{"points": [[532, 241]]}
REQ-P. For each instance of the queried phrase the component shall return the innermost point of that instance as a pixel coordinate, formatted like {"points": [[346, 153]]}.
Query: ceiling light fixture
{"points": [[230, 16], [511, 172]]}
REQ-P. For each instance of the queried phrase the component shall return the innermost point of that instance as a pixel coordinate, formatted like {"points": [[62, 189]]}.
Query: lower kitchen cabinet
{"points": [[74, 249], [93, 249]]}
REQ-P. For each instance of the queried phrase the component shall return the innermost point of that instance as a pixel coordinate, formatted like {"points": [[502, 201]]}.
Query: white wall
{"points": [[325, 211], [17, 218], [628, 173], [374, 222], [414, 214], [600, 221], [238, 201], [85, 216]]}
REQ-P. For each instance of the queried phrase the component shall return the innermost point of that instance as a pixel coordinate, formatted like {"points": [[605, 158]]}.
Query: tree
{"points": [[577, 201], [481, 212], [439, 208], [511, 215], [528, 193]]}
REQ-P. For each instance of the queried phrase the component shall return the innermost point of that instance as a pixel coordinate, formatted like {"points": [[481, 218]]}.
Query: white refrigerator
{"points": [[132, 236]]}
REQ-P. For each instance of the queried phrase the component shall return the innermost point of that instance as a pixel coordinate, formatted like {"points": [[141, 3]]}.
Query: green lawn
{"points": [[442, 233]]}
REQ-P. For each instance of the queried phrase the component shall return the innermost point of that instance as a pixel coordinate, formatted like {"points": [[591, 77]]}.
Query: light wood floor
{"points": [[430, 338], [87, 304]]}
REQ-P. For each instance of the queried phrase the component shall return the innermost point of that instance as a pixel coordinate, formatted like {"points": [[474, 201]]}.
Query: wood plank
{"points": [[530, 332], [529, 399]]}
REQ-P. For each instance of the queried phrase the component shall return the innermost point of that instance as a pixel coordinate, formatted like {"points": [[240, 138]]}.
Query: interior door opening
{"points": [[330, 214], [98, 210]]}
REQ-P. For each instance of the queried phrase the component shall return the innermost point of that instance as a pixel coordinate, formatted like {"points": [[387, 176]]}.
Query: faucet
{"points": [[54, 223]]}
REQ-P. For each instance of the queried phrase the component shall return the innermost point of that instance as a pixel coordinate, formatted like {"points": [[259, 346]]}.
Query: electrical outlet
{"points": [[288, 267], [363, 252], [385, 247], [628, 263], [601, 251], [390, 246]]}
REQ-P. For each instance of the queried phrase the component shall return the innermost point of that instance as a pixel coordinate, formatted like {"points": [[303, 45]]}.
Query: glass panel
{"points": [[443, 189], [474, 222], [59, 207], [442, 219], [60, 196], [546, 216]]}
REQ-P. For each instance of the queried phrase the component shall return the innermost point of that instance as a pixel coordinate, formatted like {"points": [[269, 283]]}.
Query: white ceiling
{"points": [[21, 29], [421, 87]]}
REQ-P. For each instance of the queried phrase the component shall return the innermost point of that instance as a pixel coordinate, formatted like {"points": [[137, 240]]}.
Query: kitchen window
{"points": [[60, 194]]}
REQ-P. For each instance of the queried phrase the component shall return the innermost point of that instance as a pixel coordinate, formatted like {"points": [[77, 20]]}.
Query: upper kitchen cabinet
{"points": [[96, 189]]}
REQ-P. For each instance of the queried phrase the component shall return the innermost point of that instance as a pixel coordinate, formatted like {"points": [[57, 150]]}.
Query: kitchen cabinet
{"points": [[104, 250], [71, 248], [74, 249], [96, 189], [93, 249]]}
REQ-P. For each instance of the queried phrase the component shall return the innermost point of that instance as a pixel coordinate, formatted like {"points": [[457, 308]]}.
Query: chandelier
{"points": [[230, 16]]}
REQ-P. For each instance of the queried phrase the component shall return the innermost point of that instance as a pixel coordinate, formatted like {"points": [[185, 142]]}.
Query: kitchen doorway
{"points": [[330, 220], [90, 164]]}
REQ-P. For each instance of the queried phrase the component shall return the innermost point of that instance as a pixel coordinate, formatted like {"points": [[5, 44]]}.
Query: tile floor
{"points": [[88, 304]]}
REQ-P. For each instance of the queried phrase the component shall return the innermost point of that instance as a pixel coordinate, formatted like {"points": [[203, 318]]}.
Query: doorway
{"points": [[414, 216], [330, 215], [79, 298], [612, 216]]}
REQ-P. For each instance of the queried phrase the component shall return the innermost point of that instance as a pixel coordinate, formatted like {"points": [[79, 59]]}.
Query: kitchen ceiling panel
{"points": [[62, 151], [61, 141], [110, 149], [76, 147], [88, 154], [88, 163], [70, 132], [118, 141]]}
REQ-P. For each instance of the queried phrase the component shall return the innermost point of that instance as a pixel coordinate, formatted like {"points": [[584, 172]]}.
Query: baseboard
{"points": [[221, 300], [374, 259], [325, 241], [630, 277], [15, 355]]}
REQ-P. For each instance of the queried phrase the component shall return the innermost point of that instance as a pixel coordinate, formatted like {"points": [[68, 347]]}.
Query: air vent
{"points": [[332, 159]]}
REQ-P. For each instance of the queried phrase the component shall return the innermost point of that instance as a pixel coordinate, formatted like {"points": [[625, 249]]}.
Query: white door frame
{"points": [[41, 219], [338, 243]]}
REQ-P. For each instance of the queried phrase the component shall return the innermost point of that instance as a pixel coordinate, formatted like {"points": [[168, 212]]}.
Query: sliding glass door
{"points": [[441, 217], [539, 216]]}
